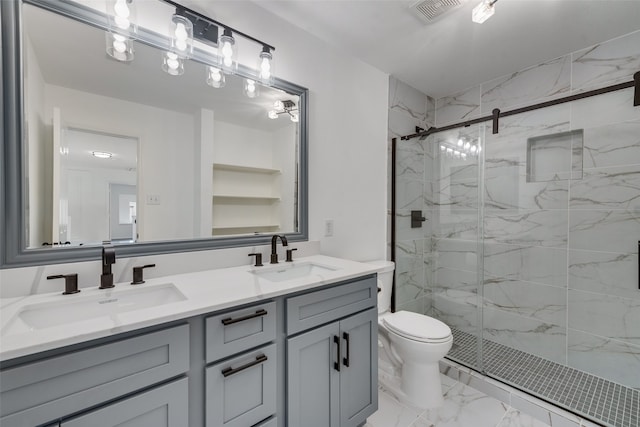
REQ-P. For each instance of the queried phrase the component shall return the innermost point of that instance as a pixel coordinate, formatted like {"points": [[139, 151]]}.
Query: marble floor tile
{"points": [[391, 413], [463, 407]]}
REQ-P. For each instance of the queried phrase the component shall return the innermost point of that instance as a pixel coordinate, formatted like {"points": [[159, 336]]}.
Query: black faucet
{"points": [[274, 252], [108, 258]]}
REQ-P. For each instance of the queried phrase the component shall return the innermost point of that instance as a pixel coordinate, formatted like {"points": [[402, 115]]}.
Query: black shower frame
{"points": [[495, 116]]}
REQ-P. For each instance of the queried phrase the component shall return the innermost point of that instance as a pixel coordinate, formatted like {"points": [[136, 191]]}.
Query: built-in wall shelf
{"points": [[237, 198], [245, 199], [239, 168], [243, 229]]}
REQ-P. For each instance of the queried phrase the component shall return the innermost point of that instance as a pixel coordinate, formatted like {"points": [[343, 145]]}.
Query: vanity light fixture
{"points": [[250, 88], [122, 27], [172, 64], [265, 66], [483, 11], [215, 77], [228, 52], [102, 154], [119, 47], [122, 16], [284, 107], [182, 36]]}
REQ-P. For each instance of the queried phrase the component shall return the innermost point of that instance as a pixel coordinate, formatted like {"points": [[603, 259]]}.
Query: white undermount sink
{"points": [[78, 307], [285, 272]]}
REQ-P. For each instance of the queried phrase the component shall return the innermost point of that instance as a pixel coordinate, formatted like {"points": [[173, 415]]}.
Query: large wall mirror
{"points": [[99, 150]]}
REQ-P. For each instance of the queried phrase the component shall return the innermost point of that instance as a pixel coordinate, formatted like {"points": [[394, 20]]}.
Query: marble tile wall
{"points": [[409, 108], [559, 255]]}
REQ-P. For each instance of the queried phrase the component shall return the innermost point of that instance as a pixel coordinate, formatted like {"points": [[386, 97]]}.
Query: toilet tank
{"points": [[385, 283]]}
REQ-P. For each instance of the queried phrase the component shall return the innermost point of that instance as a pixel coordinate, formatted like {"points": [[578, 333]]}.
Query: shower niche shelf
{"points": [[555, 157]]}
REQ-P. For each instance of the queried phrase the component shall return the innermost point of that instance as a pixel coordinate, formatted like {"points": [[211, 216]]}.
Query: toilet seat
{"points": [[417, 327]]}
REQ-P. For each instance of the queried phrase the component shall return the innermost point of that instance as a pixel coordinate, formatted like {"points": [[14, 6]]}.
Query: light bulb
{"points": [[250, 88], [294, 117], [273, 114], [121, 9], [460, 142], [215, 78], [483, 11], [473, 148], [215, 75], [449, 150], [119, 46], [227, 50], [479, 148], [278, 105], [466, 146], [172, 64], [265, 68], [443, 148], [181, 45], [181, 32], [122, 23]]}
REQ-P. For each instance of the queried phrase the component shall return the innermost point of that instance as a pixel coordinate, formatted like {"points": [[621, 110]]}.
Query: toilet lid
{"points": [[417, 326]]}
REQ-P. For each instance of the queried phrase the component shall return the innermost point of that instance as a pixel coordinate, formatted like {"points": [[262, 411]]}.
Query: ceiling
{"points": [[453, 53]]}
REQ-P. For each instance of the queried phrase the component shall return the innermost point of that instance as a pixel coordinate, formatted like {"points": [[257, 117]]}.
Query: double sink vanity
{"points": [[290, 344]]}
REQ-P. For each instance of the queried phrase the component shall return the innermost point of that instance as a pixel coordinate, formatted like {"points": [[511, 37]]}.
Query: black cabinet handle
{"points": [[230, 321], [336, 364], [230, 371], [345, 361]]}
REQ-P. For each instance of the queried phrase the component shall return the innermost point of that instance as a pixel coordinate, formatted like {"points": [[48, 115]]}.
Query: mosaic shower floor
{"points": [[607, 402]]}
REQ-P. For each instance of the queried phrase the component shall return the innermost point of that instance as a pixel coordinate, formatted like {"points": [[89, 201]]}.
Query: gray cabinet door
{"points": [[313, 379], [164, 406], [359, 372], [242, 391]]}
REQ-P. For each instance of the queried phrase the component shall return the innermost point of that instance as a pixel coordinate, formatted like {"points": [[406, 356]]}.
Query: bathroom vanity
{"points": [[287, 345]]}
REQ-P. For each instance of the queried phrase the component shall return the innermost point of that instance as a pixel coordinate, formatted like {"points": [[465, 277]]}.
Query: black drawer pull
{"points": [[345, 361], [230, 371], [229, 320], [336, 364]]}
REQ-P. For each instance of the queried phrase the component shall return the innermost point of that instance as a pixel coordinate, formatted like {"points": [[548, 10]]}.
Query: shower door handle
{"points": [[638, 264]]}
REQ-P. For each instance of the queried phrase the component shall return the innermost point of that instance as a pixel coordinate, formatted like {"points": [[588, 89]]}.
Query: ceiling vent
{"points": [[431, 10]]}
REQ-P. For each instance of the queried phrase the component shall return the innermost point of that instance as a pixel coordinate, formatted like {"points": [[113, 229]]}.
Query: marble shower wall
{"points": [[409, 108], [559, 237]]}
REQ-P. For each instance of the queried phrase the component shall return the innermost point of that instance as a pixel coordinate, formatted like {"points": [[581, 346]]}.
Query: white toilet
{"points": [[410, 342]]}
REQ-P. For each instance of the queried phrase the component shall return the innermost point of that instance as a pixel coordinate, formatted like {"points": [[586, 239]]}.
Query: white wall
{"points": [[347, 128], [166, 153], [347, 139]]}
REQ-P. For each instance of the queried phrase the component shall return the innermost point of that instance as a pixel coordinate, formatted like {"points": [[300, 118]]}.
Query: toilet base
{"points": [[421, 385]]}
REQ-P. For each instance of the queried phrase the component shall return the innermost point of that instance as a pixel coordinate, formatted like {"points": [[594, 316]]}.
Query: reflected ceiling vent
{"points": [[431, 10]]}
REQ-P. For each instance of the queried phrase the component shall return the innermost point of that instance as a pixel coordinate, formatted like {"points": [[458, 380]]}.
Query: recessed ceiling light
{"points": [[102, 154]]}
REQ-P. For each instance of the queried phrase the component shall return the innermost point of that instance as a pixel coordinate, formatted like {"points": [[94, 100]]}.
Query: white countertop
{"points": [[202, 292]]}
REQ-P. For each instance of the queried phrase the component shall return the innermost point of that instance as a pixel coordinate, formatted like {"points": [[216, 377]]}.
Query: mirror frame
{"points": [[13, 247]]}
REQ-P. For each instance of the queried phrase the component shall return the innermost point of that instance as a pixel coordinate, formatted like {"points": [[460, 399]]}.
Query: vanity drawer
{"points": [[242, 391], [320, 307], [35, 393], [164, 406], [239, 330]]}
